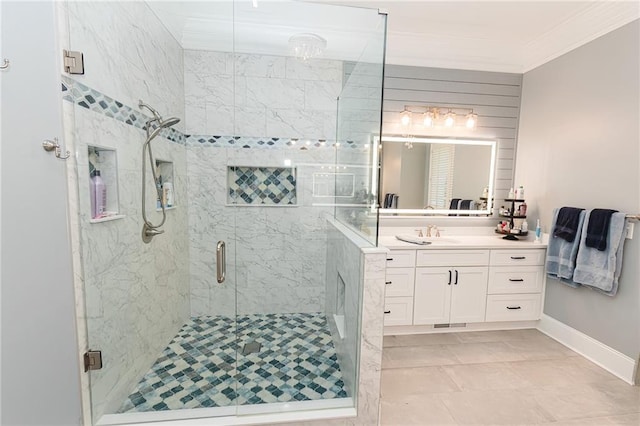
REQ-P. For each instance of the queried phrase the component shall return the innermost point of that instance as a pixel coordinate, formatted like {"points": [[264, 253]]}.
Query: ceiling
{"points": [[513, 36], [505, 36]]}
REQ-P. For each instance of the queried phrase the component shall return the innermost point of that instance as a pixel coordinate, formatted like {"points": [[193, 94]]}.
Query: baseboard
{"points": [[608, 358]]}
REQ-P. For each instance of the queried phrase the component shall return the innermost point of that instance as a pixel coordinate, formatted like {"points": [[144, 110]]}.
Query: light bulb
{"points": [[405, 118], [449, 119], [428, 119], [472, 120]]}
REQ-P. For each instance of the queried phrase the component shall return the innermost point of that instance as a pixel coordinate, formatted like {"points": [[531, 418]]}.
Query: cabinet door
{"points": [[399, 282], [398, 310], [432, 295], [469, 295]]}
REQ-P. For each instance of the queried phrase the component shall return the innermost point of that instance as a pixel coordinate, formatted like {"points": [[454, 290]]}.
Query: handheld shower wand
{"points": [[149, 230]]}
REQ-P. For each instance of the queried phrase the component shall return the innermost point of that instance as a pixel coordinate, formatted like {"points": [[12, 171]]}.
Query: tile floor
{"points": [[199, 368], [511, 377]]}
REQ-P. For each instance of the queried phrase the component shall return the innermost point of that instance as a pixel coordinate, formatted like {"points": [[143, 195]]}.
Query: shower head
{"points": [[171, 121]]}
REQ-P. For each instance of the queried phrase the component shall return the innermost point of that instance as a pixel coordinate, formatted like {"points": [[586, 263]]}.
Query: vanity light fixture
{"points": [[472, 120], [449, 119], [405, 117], [436, 116], [305, 46], [428, 118]]}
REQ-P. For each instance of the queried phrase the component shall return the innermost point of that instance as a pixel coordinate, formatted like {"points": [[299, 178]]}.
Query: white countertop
{"points": [[463, 242]]}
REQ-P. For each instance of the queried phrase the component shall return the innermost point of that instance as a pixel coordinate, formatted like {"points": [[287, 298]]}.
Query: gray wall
{"points": [[40, 369], [495, 97], [578, 146]]}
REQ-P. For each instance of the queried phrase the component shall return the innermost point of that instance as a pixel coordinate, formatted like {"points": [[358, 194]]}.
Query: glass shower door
{"points": [[164, 326]]}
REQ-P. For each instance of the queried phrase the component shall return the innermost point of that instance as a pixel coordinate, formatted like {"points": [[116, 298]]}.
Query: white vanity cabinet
{"points": [[516, 279], [470, 285], [399, 285], [450, 294]]}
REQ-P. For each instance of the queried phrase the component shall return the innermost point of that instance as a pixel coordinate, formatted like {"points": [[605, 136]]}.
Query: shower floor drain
{"points": [[251, 348]]}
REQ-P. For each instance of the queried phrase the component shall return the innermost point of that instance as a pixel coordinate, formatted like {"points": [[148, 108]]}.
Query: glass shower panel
{"points": [[289, 68], [144, 303], [358, 132]]}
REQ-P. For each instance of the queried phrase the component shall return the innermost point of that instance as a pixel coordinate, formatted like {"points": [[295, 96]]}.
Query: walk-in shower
{"points": [[153, 128], [271, 153]]}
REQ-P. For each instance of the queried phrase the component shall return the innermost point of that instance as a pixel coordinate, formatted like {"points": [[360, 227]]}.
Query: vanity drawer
{"points": [[399, 282], [398, 311], [401, 259], [513, 307], [515, 279], [517, 257], [452, 258]]}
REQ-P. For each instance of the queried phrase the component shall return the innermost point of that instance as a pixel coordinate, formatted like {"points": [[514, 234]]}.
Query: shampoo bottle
{"points": [[99, 191], [538, 232], [168, 191]]}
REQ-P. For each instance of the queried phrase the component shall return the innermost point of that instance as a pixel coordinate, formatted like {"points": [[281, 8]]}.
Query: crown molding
{"points": [[593, 22]]}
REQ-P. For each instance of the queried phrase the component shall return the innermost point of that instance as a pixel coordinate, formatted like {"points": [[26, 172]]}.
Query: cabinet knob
{"points": [[518, 257], [388, 282], [387, 312], [514, 307], [516, 280]]}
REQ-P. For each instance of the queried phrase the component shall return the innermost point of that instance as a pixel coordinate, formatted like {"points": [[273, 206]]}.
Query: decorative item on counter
{"points": [[511, 195], [522, 210], [485, 192], [98, 196]]}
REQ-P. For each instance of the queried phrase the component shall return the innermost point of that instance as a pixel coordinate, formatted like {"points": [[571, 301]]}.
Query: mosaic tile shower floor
{"points": [[197, 369]]}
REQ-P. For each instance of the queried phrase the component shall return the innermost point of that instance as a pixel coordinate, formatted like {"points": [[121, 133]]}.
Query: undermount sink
{"points": [[425, 240]]}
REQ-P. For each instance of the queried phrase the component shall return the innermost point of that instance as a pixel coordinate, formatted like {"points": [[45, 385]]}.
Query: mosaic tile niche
{"points": [[261, 185]]}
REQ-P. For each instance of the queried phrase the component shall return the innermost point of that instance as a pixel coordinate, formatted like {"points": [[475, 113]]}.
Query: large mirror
{"points": [[436, 176]]}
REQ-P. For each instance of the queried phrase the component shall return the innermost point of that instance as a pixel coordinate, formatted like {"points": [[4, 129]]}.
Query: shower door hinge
{"points": [[92, 360], [73, 62]]}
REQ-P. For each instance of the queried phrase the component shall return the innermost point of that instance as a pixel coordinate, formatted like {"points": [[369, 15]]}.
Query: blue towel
{"points": [[598, 228], [566, 224], [561, 254], [600, 270]]}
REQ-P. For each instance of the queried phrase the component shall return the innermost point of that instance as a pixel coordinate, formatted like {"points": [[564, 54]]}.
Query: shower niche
{"points": [[165, 185], [103, 184]]}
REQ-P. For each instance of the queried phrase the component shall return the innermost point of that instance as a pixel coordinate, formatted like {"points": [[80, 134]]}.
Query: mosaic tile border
{"points": [[80, 94], [275, 186], [264, 142]]}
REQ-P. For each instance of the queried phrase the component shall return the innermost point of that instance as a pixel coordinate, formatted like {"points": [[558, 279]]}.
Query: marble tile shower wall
{"points": [[362, 268], [278, 253], [134, 296], [129, 54]]}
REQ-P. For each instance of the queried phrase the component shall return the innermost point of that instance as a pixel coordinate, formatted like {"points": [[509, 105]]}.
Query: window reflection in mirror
{"points": [[436, 176]]}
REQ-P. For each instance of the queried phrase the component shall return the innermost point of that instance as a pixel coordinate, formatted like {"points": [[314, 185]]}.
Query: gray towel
{"points": [[601, 269], [561, 254]]}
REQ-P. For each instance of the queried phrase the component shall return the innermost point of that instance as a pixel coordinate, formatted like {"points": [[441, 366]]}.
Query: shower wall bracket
{"points": [[92, 360], [73, 62]]}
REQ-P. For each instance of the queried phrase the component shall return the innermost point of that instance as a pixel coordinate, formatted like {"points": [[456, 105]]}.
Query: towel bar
{"points": [[633, 216]]}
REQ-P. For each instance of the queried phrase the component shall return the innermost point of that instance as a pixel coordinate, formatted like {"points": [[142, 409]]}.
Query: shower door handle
{"points": [[221, 261]]}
